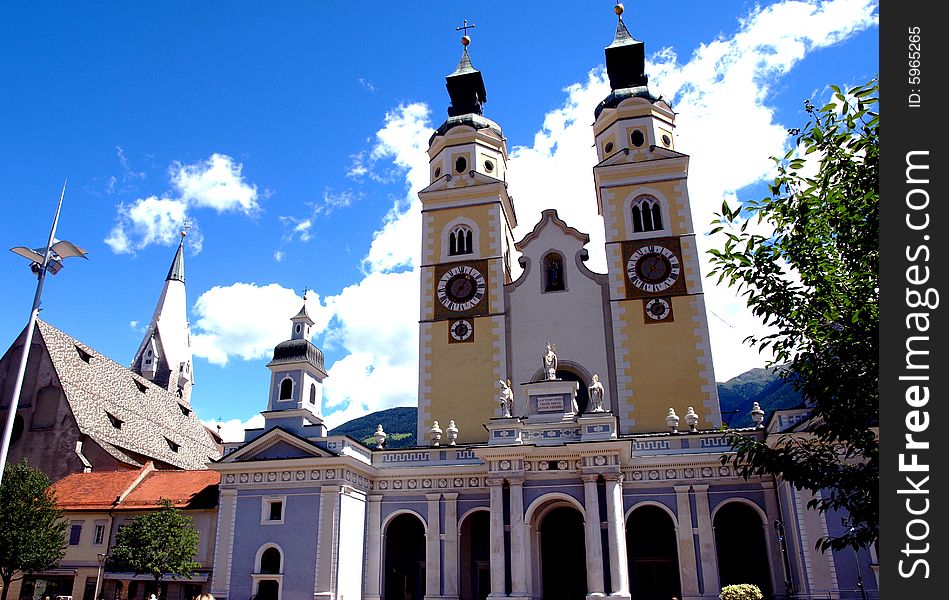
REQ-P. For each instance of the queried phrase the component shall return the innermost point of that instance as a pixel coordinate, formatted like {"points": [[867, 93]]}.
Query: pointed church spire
{"points": [[164, 356], [177, 270]]}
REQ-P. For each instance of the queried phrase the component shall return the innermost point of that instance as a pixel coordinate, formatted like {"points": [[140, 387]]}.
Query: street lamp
{"points": [[41, 260], [101, 556], [856, 564]]}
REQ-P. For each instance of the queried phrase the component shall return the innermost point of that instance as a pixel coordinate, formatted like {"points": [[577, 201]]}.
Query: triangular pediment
{"points": [[277, 444], [450, 183]]}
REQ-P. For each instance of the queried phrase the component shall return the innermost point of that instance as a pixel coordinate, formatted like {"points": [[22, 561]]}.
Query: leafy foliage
{"points": [[32, 528], [806, 261], [157, 543], [741, 591]]}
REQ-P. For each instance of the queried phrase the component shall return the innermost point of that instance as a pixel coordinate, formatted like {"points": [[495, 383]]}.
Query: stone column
{"points": [[433, 548], [518, 533], [497, 538], [374, 549], [688, 571], [706, 542], [616, 532], [593, 538], [224, 542], [327, 541], [451, 546]]}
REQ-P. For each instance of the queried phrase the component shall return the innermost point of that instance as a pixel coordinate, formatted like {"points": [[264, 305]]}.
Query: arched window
{"points": [[312, 393], [270, 561], [459, 240], [286, 389], [553, 272], [647, 215]]}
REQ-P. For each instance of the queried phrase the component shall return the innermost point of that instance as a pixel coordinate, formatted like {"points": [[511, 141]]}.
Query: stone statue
{"points": [[596, 395], [550, 362], [506, 398]]}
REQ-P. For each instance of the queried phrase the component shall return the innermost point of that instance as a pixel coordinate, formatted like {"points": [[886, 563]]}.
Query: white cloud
{"points": [[278, 255], [216, 183], [232, 430], [246, 320]]}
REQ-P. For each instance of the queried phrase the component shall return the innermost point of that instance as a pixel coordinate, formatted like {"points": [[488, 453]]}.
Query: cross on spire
{"points": [[465, 27]]}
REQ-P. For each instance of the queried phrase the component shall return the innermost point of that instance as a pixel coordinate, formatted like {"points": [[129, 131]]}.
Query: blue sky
{"points": [[292, 136]]}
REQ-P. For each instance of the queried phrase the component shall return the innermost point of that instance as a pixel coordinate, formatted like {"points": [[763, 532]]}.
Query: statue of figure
{"points": [[596, 394], [506, 398], [550, 362]]}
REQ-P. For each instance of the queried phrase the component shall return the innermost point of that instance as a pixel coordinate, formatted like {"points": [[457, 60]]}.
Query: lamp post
{"points": [[41, 260], [101, 556]]}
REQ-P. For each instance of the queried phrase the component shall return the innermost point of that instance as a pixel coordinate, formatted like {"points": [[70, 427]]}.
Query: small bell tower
{"points": [[296, 381]]}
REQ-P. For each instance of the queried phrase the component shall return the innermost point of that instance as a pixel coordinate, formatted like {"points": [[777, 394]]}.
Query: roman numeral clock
{"points": [[654, 274], [460, 295]]}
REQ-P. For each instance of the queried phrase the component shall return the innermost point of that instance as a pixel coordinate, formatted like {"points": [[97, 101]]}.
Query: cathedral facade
{"points": [[570, 438]]}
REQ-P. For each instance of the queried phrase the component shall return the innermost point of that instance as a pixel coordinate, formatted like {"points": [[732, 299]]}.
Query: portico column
{"points": [[451, 546], [616, 532], [433, 548], [497, 538], [374, 549], [518, 551], [688, 572], [706, 542], [594, 543]]}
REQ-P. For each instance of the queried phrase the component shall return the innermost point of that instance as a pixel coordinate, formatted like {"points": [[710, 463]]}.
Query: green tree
{"points": [[158, 543], [806, 260], [32, 528]]}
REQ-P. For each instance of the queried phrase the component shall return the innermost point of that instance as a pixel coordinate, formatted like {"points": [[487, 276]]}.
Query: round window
{"points": [[460, 164], [638, 138], [488, 166], [608, 147], [438, 172], [666, 140]]}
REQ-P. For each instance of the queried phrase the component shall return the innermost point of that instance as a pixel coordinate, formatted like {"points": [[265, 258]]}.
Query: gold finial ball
{"points": [[465, 40], [183, 233], [618, 9]]}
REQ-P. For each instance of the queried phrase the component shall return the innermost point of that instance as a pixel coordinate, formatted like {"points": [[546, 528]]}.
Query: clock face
{"points": [[653, 268], [658, 309], [461, 330], [461, 288]]}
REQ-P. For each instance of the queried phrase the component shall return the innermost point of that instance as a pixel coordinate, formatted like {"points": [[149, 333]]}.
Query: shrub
{"points": [[741, 591]]}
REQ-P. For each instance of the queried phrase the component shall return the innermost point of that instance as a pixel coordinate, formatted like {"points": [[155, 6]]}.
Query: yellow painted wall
{"points": [[664, 366], [464, 380]]}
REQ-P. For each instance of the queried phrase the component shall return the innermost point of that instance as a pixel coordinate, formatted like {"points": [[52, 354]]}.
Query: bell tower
{"points": [[660, 331], [467, 218]]}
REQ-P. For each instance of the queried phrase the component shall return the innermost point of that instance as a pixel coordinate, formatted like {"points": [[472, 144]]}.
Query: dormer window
{"points": [[141, 386], [116, 422], [553, 273], [647, 215], [459, 240], [184, 410], [83, 355], [172, 445]]}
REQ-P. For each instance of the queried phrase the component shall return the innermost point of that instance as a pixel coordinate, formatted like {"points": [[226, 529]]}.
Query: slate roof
{"points": [[137, 489], [150, 416]]}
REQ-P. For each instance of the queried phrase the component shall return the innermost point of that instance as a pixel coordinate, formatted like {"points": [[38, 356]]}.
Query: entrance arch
{"points": [[652, 554], [559, 550], [475, 560], [741, 546], [404, 558]]}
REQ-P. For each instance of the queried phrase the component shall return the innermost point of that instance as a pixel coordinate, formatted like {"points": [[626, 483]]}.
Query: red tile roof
{"points": [[186, 489], [138, 489], [93, 491]]}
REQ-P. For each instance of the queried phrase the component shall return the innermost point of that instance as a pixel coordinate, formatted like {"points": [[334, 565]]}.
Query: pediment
{"points": [[277, 444], [450, 183]]}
